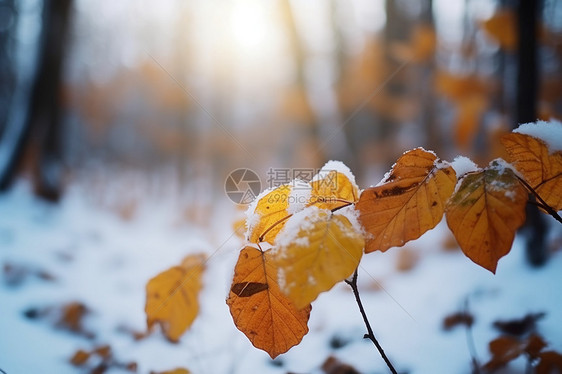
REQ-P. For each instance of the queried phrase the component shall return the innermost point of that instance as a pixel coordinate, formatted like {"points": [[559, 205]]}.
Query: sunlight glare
{"points": [[248, 26]]}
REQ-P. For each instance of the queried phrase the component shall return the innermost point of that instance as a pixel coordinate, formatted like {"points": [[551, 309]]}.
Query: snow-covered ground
{"points": [[104, 262]]}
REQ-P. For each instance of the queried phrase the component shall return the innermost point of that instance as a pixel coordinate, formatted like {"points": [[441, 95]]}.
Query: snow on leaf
{"points": [[410, 201], [266, 216], [540, 165], [484, 213], [258, 307], [463, 165], [172, 297], [331, 253], [333, 186], [549, 132]]}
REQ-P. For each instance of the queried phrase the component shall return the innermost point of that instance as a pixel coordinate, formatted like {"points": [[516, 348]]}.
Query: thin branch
{"points": [[470, 343], [543, 203], [347, 203], [370, 335]]}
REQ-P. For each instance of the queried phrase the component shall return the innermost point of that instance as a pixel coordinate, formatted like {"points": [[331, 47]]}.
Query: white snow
{"points": [[550, 132], [463, 165], [300, 221], [336, 166], [352, 215], [299, 196], [105, 262]]}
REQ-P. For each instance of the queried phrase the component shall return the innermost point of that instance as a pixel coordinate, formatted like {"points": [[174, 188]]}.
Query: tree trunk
{"points": [[40, 125], [527, 89]]}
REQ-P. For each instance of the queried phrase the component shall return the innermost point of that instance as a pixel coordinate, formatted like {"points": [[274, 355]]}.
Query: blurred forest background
{"points": [[131, 97]]}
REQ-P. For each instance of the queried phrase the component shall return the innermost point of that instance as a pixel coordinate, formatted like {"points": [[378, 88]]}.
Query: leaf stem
{"points": [[272, 226], [542, 203], [370, 335]]}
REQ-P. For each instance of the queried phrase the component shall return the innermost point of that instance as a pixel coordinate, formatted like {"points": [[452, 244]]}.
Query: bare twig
{"points": [[370, 335], [470, 342]]}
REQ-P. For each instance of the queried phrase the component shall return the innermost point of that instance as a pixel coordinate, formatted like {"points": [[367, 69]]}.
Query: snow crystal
{"points": [[299, 197], [463, 165], [337, 166], [549, 132]]}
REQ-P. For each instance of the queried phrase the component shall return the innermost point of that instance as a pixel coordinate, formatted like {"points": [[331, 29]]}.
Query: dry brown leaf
{"points": [[540, 168], [550, 363], [484, 213], [334, 366], [79, 358], [258, 307], [172, 297], [458, 319], [506, 348], [410, 201], [520, 326]]}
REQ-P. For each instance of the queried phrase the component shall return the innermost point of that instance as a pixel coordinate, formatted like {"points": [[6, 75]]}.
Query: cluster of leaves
{"points": [[518, 338], [100, 359], [303, 238]]}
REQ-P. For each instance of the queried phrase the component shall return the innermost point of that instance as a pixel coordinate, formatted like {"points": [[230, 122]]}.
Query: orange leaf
{"points": [[79, 358], [502, 28], [484, 213], [506, 348], [540, 168], [333, 186], [258, 307], [410, 200], [172, 297], [173, 371], [468, 117]]}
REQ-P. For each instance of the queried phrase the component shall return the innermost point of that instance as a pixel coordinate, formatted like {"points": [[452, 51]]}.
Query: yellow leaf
{"points": [[484, 213], [258, 307], [541, 169], [173, 371], [333, 187], [268, 214], [410, 201], [172, 297], [316, 250]]}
